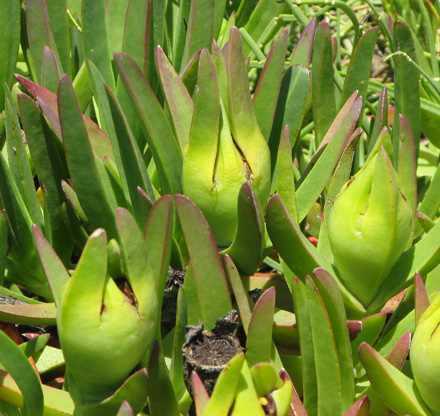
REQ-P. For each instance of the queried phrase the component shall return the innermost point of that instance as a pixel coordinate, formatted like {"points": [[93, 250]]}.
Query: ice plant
{"points": [[425, 355], [102, 350], [226, 147], [370, 226]]}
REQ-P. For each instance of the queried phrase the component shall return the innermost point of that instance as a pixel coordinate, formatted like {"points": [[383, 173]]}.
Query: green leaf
{"points": [[162, 400], [262, 15], [50, 73], [56, 402], [179, 101], [247, 247], [358, 72], [48, 102], [21, 370], [51, 171], [200, 29], [134, 391], [39, 34], [87, 182], [18, 162], [54, 269], [10, 36], [224, 392], [285, 180], [323, 87], [259, 336], [94, 35], [336, 140], [302, 54], [328, 373], [161, 140], [242, 297], [210, 278], [308, 362], [334, 305], [406, 81], [36, 315], [201, 396], [396, 389], [158, 239], [268, 87], [130, 163], [421, 257]]}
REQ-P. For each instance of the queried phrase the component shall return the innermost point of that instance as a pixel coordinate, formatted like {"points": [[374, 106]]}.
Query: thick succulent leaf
{"points": [[56, 402], [247, 247], [18, 161], [180, 103], [201, 396], [407, 167], [337, 139], [247, 402], [21, 370], [327, 364], [161, 140], [36, 315], [422, 257], [334, 305], [268, 87], [261, 16], [340, 176], [4, 245], [54, 269], [302, 55], [265, 378], [158, 239], [39, 34], [224, 392], [421, 297], [134, 391], [51, 171], [48, 102], [211, 282], [88, 183], [358, 72], [10, 35], [162, 400], [200, 28], [50, 73], [406, 81], [242, 297], [285, 180], [323, 87], [94, 35], [308, 360], [371, 328], [396, 389], [381, 119], [293, 103], [130, 163], [259, 337]]}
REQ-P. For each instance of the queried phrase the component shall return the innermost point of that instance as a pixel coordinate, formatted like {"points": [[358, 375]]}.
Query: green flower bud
{"points": [[104, 330], [370, 226], [226, 147], [425, 355]]}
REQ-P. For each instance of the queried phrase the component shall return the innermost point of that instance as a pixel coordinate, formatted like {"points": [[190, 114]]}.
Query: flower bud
{"points": [[425, 355], [370, 226], [104, 330]]}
